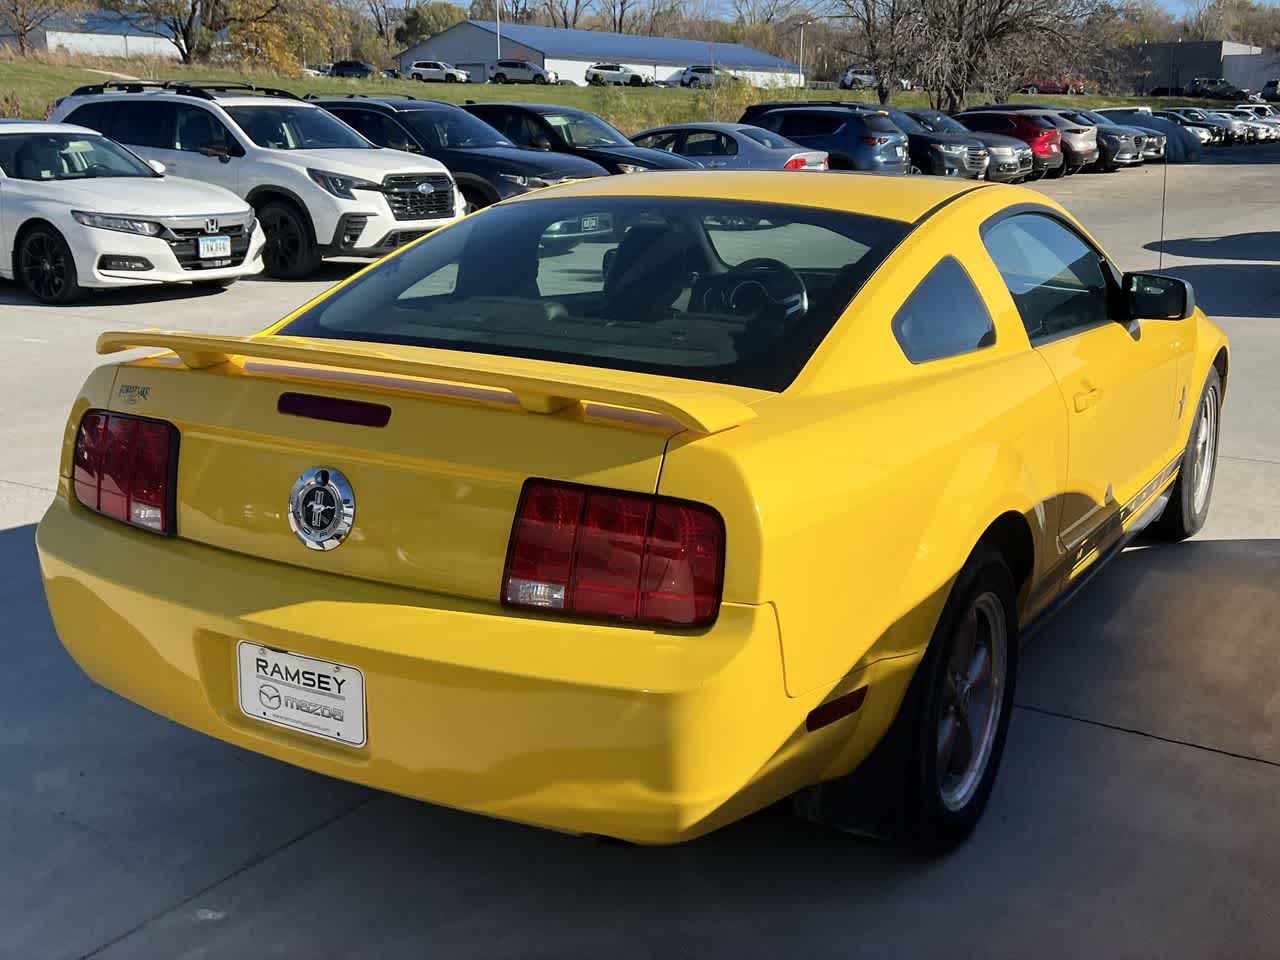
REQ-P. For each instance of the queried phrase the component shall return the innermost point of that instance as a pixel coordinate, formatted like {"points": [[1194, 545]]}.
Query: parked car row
{"points": [[229, 179]]}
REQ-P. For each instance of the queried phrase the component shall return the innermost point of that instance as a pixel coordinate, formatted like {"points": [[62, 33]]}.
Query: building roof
{"points": [[116, 24], [604, 47]]}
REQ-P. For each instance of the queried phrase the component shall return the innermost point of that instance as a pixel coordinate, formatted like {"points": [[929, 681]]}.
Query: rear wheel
{"points": [[499, 78], [539, 78], [45, 266], [290, 252], [1188, 505]]}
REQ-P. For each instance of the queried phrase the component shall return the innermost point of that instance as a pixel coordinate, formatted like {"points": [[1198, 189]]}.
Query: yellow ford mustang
{"points": [[632, 506]]}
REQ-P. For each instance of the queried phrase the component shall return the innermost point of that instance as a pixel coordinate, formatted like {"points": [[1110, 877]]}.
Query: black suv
{"points": [[545, 126], [855, 136], [358, 69], [486, 166], [939, 152]]}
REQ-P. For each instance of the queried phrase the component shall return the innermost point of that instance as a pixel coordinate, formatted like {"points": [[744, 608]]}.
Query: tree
{"points": [[567, 13], [22, 18], [886, 39], [192, 25], [427, 19]]}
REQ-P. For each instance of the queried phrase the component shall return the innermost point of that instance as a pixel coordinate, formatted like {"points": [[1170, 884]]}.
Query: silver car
{"points": [[521, 71], [615, 74], [732, 146]]}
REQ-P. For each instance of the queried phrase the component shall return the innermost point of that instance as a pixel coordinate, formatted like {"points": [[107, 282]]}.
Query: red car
{"points": [[1066, 85], [1039, 134]]}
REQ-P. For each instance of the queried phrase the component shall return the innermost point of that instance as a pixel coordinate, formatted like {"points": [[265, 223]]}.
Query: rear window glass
{"points": [[726, 292], [762, 136], [804, 124], [879, 123]]}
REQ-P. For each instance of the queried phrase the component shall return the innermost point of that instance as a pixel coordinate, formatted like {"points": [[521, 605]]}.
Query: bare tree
{"points": [[567, 13], [191, 25], [22, 18], [886, 38]]}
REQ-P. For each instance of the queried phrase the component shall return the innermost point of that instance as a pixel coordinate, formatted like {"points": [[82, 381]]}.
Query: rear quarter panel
{"points": [[855, 497]]}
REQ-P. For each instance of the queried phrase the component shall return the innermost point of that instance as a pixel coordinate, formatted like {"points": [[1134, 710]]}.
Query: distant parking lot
{"points": [[1134, 815]]}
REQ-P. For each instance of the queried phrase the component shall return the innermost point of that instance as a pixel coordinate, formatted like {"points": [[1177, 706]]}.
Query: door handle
{"points": [[1087, 398]]}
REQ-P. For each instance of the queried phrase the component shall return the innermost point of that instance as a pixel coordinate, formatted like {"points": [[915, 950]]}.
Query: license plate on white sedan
{"points": [[318, 697], [213, 248]]}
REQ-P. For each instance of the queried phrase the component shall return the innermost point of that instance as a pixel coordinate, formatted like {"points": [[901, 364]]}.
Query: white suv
{"points": [[81, 211], [521, 71], [702, 75], [319, 188], [615, 73], [438, 71]]}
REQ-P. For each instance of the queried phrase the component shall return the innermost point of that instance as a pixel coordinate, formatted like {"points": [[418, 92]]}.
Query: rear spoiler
{"points": [[535, 391]]}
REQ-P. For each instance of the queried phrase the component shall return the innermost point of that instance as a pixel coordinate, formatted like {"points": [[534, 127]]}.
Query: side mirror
{"points": [[215, 150], [1151, 296], [541, 142], [157, 166]]}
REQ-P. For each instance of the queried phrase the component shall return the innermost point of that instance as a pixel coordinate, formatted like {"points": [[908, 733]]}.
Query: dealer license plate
{"points": [[211, 248], [317, 697]]}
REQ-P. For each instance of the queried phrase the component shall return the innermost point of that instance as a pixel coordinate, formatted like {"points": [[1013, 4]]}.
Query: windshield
{"points": [[453, 130], [1194, 115], [905, 123], [939, 122], [714, 290], [585, 130], [296, 128], [67, 156]]}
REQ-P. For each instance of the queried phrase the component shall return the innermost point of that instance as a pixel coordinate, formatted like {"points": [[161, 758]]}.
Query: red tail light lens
{"points": [[124, 467], [875, 141], [607, 554], [795, 163]]}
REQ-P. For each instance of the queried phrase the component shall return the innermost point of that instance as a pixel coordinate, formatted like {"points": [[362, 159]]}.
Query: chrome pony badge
{"points": [[322, 508]]}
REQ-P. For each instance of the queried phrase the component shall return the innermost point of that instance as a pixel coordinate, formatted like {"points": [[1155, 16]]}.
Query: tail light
{"points": [[611, 555], [795, 163], [125, 467], [874, 141], [1076, 130]]}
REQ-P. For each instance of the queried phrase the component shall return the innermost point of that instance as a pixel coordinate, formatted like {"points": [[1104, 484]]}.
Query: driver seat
{"points": [[39, 159], [647, 273]]}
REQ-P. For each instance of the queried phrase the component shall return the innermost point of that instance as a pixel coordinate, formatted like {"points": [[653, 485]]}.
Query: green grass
{"points": [[28, 88]]}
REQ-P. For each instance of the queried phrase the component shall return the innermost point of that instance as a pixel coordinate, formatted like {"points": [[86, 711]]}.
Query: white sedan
{"points": [[78, 211]]}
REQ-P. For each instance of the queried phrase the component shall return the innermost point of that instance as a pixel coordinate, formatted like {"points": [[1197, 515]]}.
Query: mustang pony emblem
{"points": [[322, 508]]}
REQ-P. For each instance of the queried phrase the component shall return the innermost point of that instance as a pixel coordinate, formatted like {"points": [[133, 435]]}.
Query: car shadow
{"points": [[1233, 289], [13, 294], [1259, 245], [1081, 817]]}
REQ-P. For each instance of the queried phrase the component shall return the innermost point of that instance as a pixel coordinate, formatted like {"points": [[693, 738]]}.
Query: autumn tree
{"points": [[192, 25], [427, 19]]}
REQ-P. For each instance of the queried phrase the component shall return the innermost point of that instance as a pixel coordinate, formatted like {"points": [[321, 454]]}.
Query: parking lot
{"points": [[1134, 815]]}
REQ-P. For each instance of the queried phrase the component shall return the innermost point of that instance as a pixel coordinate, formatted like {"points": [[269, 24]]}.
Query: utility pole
{"points": [[497, 27]]}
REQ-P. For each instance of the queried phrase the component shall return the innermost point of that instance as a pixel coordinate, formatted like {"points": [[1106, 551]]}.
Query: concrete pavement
{"points": [[1134, 815]]}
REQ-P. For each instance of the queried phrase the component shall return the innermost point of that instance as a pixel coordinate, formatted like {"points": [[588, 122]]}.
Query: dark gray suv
{"points": [[854, 136]]}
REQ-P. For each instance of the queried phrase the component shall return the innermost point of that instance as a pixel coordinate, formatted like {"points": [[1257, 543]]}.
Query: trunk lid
{"points": [[435, 487]]}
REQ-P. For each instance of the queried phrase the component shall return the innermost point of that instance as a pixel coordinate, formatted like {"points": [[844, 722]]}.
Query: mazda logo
{"points": [[269, 696]]}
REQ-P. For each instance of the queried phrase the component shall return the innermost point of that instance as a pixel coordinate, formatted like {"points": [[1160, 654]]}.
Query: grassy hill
{"points": [[29, 87]]}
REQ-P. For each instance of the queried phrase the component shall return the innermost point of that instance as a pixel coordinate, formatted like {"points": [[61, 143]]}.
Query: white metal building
{"points": [[474, 45], [100, 36]]}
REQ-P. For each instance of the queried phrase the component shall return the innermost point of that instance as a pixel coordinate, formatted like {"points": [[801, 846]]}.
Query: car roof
{"points": [[534, 107], [720, 126], [905, 199], [392, 103], [43, 126]]}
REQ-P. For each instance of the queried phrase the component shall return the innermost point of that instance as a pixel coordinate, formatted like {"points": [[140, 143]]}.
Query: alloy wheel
{"points": [[972, 698], [43, 265], [283, 248], [1206, 450]]}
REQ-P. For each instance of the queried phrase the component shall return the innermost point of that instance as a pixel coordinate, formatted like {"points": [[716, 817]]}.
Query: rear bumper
{"points": [[628, 733]]}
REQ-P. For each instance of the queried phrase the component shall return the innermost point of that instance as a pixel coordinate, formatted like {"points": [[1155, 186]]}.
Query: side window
{"points": [[140, 124], [708, 143], [91, 115], [507, 122], [197, 128], [808, 124], [1053, 275], [667, 141], [945, 316]]}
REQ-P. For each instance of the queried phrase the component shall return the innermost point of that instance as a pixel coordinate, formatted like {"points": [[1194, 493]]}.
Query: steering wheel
{"points": [[98, 167], [763, 284]]}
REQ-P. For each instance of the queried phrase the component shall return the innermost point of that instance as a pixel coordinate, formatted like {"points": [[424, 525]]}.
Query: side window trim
{"points": [[1108, 269]]}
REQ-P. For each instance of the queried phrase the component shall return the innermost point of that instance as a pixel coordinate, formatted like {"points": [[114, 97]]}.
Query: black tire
{"points": [[499, 78], [635, 81], [1182, 516], [931, 823], [474, 199], [45, 266], [695, 83], [539, 78], [450, 78], [290, 252], [420, 78], [1057, 173], [897, 794], [1035, 175]]}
